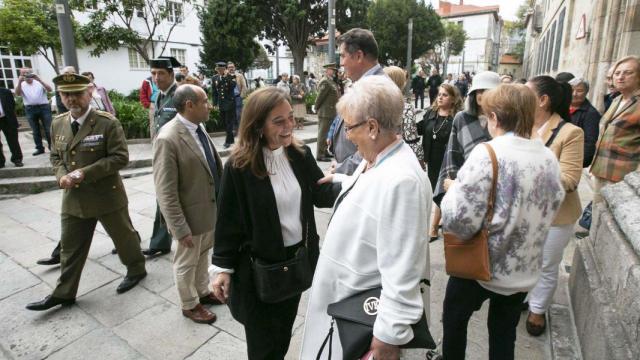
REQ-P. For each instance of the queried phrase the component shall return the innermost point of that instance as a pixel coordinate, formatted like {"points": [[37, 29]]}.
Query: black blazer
{"points": [[248, 223], [587, 118], [9, 106]]}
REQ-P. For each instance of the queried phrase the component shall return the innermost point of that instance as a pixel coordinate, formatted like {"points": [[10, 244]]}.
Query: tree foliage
{"points": [[351, 14], [452, 43], [292, 23], [31, 26], [229, 29], [516, 29], [388, 21], [115, 24]]}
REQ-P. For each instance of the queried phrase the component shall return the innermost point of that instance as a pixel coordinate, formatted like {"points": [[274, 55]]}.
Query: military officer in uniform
{"points": [[89, 148], [162, 71], [223, 84], [325, 105]]}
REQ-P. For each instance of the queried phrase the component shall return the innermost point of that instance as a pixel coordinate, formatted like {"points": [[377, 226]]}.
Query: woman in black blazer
{"points": [[265, 211]]}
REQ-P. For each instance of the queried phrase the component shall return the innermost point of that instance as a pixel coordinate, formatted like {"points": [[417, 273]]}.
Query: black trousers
{"points": [[421, 96], [268, 331], [11, 134], [433, 96], [229, 118], [462, 298]]}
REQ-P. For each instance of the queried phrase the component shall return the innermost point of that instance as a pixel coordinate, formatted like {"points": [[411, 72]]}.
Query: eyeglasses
{"points": [[348, 128]]}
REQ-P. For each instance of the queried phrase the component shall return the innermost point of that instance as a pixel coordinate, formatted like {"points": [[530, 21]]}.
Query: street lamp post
{"points": [[63, 13], [332, 31]]}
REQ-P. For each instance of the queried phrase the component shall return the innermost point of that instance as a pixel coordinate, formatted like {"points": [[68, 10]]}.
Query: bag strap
{"points": [[494, 183], [554, 133], [328, 338]]}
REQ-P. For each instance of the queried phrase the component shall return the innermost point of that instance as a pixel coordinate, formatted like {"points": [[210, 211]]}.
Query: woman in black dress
{"points": [[435, 128]]}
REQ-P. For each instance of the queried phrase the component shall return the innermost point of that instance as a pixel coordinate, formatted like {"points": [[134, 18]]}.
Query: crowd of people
{"points": [[245, 231]]}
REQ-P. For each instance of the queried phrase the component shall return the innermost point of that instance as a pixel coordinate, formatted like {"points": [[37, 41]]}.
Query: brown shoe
{"points": [[535, 329], [200, 315], [210, 300]]}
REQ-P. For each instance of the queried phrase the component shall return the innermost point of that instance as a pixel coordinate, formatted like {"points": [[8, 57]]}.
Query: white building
{"points": [[483, 26], [122, 69]]}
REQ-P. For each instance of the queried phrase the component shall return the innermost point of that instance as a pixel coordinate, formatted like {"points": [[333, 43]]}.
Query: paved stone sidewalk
{"points": [[144, 323]]}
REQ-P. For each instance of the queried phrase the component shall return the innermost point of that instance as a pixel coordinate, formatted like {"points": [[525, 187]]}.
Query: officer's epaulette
{"points": [[106, 114], [64, 114]]}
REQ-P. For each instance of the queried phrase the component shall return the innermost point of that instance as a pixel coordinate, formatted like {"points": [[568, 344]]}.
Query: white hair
{"points": [[374, 97]]}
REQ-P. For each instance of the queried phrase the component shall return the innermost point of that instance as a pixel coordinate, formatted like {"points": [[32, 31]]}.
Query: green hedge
{"points": [[133, 117], [309, 100]]}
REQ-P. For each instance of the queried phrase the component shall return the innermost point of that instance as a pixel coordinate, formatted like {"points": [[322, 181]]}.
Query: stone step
{"points": [[563, 338], [16, 172], [37, 184]]}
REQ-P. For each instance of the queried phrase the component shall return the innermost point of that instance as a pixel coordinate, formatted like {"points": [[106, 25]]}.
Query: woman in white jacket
{"points": [[378, 233]]}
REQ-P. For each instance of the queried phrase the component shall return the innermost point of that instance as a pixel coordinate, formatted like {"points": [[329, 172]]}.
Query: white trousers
{"points": [[190, 270], [557, 239]]}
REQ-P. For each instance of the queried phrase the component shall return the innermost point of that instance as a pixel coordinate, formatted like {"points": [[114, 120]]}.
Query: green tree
{"points": [[516, 30], [351, 14], [388, 21], [115, 24], [292, 23], [229, 29], [452, 43], [31, 26]]}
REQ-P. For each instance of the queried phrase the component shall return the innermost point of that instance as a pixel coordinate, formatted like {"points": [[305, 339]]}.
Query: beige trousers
{"points": [[190, 270], [152, 127]]}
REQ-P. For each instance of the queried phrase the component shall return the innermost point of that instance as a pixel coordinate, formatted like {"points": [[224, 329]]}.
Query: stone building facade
{"points": [[584, 37]]}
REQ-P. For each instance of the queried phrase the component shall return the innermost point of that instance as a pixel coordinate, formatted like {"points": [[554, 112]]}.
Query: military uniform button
{"points": [[73, 163]]}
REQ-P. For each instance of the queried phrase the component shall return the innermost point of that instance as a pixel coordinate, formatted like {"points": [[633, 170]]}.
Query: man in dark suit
{"points": [[223, 84], [9, 126]]}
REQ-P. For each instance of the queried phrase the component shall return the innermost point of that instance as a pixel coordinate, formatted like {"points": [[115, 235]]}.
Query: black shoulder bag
{"points": [[355, 317], [276, 282]]}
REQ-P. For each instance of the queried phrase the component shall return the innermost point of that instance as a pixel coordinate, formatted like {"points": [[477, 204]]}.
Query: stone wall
{"points": [[605, 278]]}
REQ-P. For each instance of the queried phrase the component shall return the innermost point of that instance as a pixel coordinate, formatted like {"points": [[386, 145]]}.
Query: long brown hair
{"points": [[454, 93], [247, 153]]}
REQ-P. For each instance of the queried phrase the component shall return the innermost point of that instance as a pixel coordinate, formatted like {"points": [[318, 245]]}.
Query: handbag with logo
{"points": [[355, 317], [469, 259], [276, 282]]}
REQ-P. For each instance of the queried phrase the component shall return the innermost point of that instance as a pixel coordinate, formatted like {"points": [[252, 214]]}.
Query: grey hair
{"points": [[374, 97], [296, 77], [577, 81], [183, 94]]}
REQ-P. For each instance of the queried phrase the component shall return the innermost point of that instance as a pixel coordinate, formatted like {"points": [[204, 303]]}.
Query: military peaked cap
{"points": [[69, 82], [165, 62]]}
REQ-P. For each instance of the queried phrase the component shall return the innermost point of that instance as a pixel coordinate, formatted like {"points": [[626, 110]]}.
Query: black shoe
{"points": [[18, 163], [114, 251], [38, 152], [155, 252], [49, 302], [129, 282], [54, 260]]}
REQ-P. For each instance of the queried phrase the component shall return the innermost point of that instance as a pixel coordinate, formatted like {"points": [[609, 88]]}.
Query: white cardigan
{"points": [[377, 236]]}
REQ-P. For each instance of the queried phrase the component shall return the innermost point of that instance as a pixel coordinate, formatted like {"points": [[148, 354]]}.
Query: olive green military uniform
{"points": [[326, 107], [99, 149], [165, 111]]}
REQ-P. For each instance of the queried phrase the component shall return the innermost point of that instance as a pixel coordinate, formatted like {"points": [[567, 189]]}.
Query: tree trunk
{"points": [[299, 53]]}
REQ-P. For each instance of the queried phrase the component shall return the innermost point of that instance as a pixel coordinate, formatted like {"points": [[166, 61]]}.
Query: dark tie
{"points": [[74, 127], [210, 160]]}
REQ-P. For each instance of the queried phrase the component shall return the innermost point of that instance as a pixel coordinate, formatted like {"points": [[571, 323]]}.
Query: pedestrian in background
{"points": [[463, 86], [266, 214], [224, 99], [435, 129], [612, 92], [584, 116], [102, 93], [434, 82], [408, 129], [284, 83], [418, 84], [240, 92], [148, 94], [525, 204], [36, 106], [325, 106], [553, 126], [9, 126], [297, 92]]}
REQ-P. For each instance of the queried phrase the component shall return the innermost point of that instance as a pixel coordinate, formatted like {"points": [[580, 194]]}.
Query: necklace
{"points": [[434, 131]]}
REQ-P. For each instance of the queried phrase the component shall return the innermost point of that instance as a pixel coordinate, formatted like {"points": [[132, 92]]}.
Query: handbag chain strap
{"points": [[494, 184], [329, 339]]}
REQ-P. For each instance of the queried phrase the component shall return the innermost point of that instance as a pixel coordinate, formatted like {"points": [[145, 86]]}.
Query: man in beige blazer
{"points": [[186, 172]]}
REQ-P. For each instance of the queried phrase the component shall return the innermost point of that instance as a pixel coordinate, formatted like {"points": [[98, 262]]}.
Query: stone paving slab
{"points": [[14, 277], [221, 347], [93, 277], [100, 344], [34, 335], [161, 332]]}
